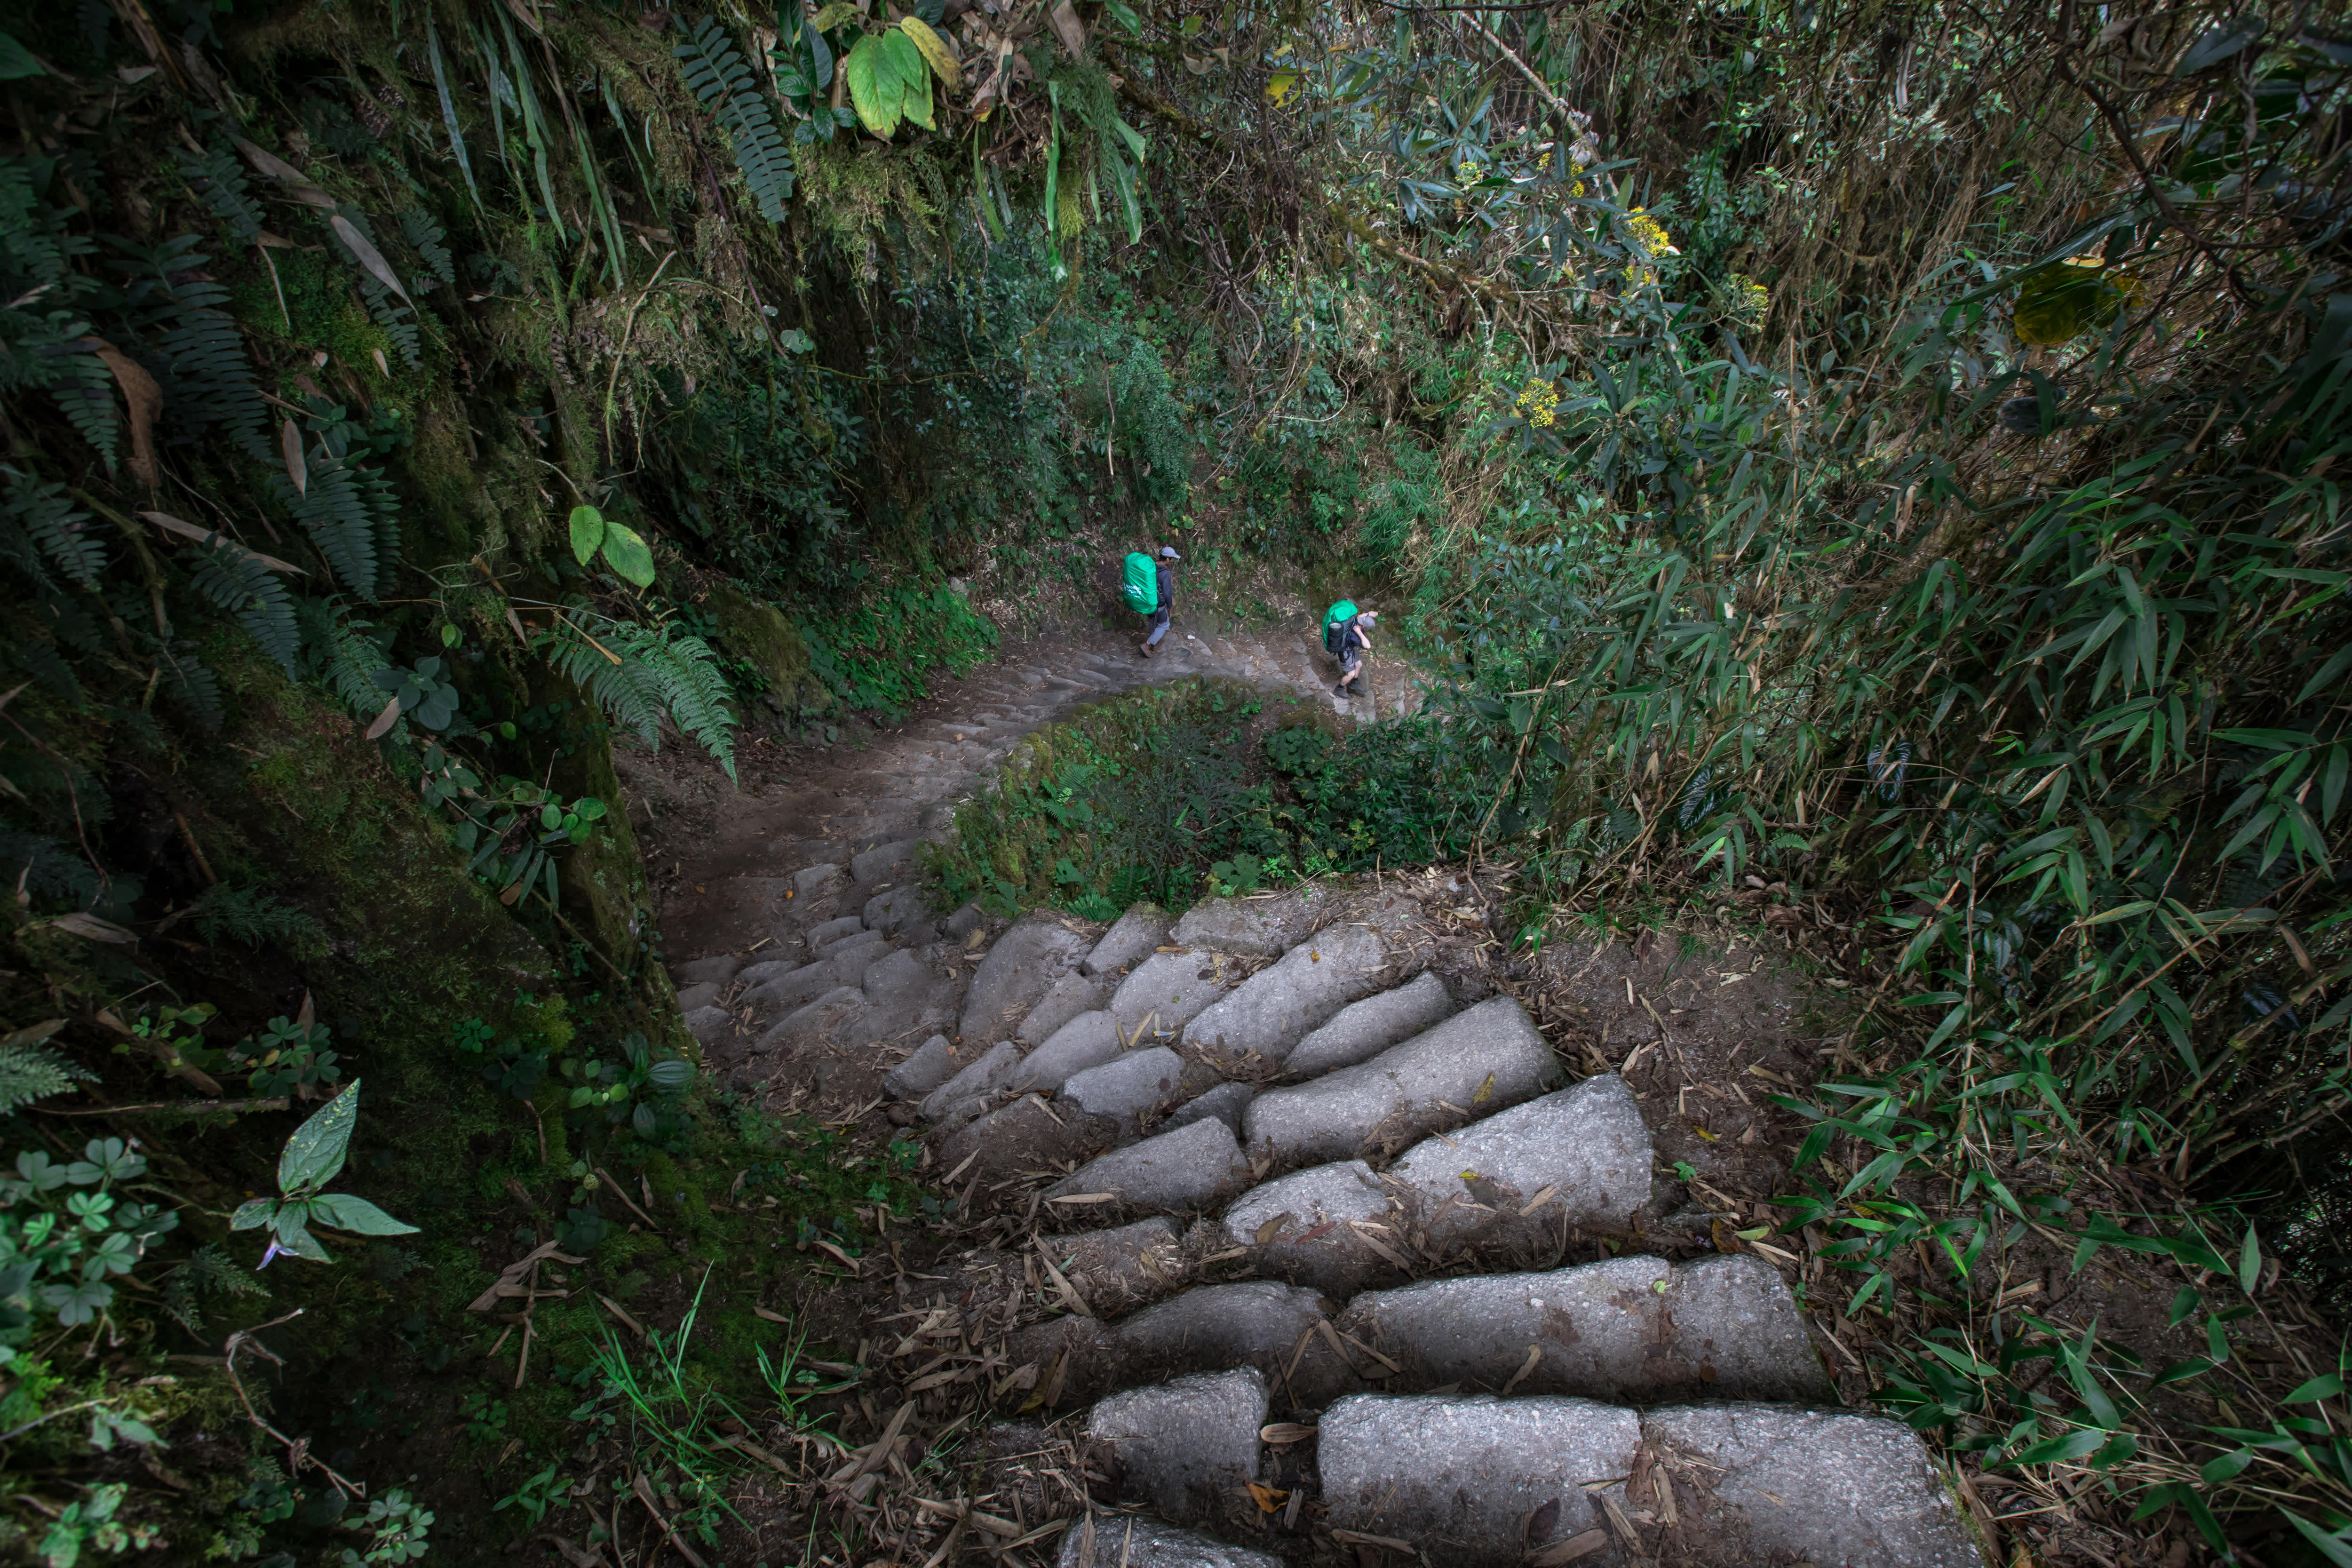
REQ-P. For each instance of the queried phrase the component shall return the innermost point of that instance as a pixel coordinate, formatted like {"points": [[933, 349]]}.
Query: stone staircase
{"points": [[1270, 1087], [1388, 1163], [1306, 1206]]}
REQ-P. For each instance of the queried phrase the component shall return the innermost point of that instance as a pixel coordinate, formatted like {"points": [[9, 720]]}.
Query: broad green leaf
{"points": [[934, 48], [2335, 1547], [874, 89], [16, 61], [834, 15], [315, 1154], [254, 1214], [914, 77], [294, 1236], [587, 532], [2326, 1385], [2249, 1262], [625, 553], [358, 1216]]}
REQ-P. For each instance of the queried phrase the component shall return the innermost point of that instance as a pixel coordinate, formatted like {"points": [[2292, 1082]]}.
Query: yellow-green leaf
{"points": [[1280, 85], [914, 77], [587, 532], [834, 15], [934, 50], [625, 553], [875, 91]]}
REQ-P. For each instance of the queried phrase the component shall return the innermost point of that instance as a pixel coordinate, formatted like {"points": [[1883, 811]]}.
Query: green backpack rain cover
{"points": [[1140, 584], [1335, 617]]}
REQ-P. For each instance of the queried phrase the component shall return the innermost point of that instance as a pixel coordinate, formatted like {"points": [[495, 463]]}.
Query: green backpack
{"points": [[1337, 617], [1139, 586]]}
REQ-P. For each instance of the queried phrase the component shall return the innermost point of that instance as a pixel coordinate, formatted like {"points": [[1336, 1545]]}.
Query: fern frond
{"points": [[43, 662], [343, 515], [661, 674], [28, 1073], [197, 353], [253, 918], [427, 237], [343, 660], [79, 382], [60, 529], [218, 179], [234, 578], [397, 320], [194, 688], [725, 83]]}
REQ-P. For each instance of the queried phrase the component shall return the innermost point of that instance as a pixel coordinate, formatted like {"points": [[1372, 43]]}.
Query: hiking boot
{"points": [[1340, 689], [1144, 648]]}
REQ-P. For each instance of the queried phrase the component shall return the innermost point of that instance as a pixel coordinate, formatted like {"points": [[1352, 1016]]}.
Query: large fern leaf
{"points": [[218, 179], [427, 238], [192, 686], [642, 676], [28, 1073], [345, 511], [725, 83], [234, 578], [344, 662], [61, 529]]}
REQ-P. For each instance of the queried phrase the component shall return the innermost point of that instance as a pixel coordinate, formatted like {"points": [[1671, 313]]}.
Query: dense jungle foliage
{"points": [[1859, 467]]}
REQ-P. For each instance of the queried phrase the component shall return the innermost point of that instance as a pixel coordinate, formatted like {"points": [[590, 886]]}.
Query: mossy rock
{"points": [[762, 636]]}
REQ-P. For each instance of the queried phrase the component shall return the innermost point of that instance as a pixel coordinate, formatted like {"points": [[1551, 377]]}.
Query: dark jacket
{"points": [[1166, 587]]}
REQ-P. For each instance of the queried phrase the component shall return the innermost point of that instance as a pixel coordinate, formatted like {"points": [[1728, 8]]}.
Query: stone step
{"points": [[1134, 1541], [1259, 1022], [1467, 1476], [1470, 1066], [1362, 1030]]}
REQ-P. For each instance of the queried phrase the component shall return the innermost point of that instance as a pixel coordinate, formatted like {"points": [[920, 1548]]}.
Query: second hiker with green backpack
{"points": [[1149, 588], [1347, 637]]}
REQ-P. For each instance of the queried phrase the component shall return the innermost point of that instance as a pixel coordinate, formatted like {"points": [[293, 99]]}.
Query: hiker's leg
{"points": [[1159, 627]]}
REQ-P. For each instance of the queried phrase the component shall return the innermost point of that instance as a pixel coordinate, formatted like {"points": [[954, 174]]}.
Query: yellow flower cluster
{"points": [[1652, 235], [1750, 301], [1466, 172], [1537, 402]]}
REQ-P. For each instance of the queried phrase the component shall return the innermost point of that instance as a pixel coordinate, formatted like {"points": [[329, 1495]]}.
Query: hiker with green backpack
{"points": [[1347, 637], [1149, 588]]}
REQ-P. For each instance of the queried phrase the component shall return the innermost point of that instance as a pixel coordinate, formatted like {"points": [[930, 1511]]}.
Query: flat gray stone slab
{"points": [[814, 882], [1362, 1030], [876, 864], [895, 911], [1215, 1327], [1274, 1009], [1187, 1445], [1819, 1485], [1474, 1063], [1109, 1540], [712, 1026], [1303, 1227], [1174, 1173], [900, 990], [850, 959], [1066, 999], [1021, 968], [1460, 1475], [1170, 989], [1228, 1102], [1625, 1330], [1088, 1040], [1130, 940], [1261, 926], [807, 1025], [822, 936], [932, 1065], [992, 1072], [963, 922], [754, 976], [702, 995], [1127, 1088], [716, 971], [1583, 1150]]}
